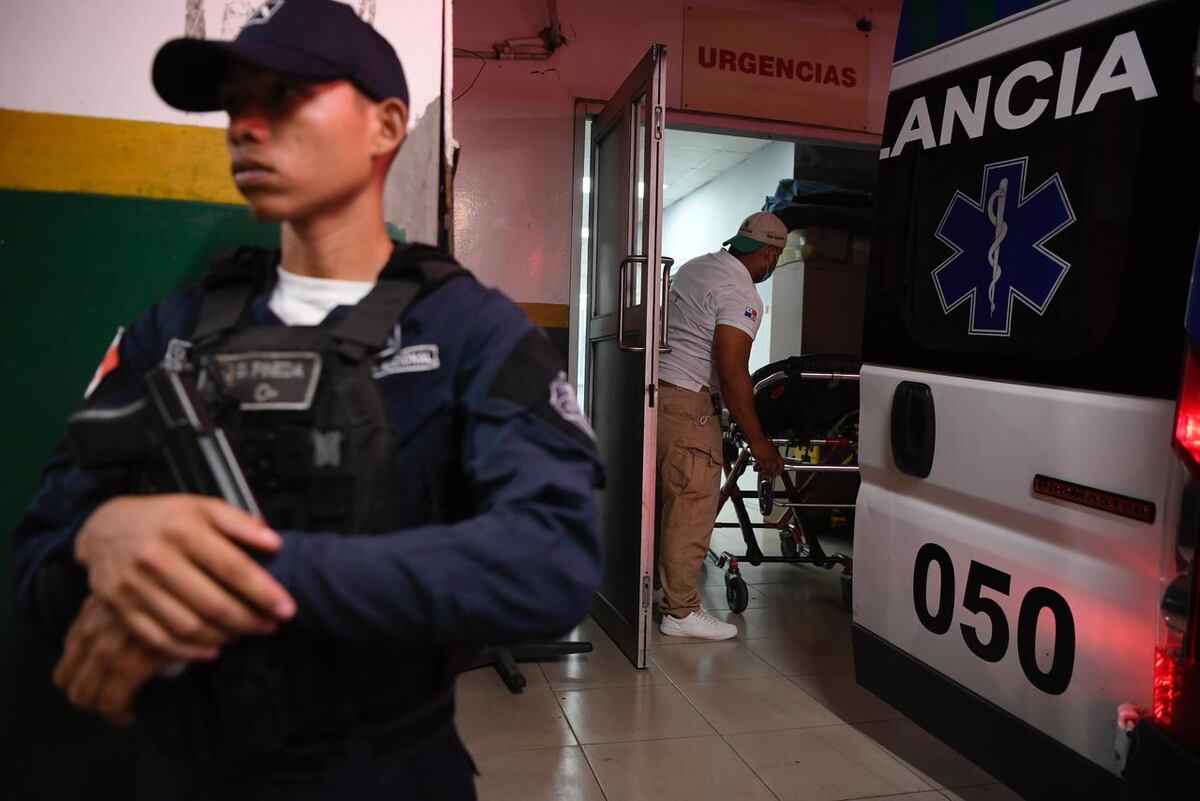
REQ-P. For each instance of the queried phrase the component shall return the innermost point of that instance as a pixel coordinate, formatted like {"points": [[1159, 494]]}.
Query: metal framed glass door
{"points": [[625, 329]]}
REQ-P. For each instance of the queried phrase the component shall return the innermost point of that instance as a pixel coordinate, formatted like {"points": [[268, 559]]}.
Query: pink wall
{"points": [[513, 191]]}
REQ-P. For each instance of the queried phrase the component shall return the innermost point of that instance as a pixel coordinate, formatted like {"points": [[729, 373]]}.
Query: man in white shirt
{"points": [[715, 314]]}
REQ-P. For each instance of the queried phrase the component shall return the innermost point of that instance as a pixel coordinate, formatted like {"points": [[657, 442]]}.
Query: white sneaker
{"points": [[698, 624]]}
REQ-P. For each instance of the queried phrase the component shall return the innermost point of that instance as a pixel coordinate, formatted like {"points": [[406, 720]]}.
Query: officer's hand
{"points": [[170, 568], [766, 457], [103, 665]]}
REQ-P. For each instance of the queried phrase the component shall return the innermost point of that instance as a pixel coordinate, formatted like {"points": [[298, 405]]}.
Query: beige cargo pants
{"points": [[689, 487]]}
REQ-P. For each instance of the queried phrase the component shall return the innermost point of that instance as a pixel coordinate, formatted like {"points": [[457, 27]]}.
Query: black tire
{"points": [[766, 495], [788, 545], [737, 594]]}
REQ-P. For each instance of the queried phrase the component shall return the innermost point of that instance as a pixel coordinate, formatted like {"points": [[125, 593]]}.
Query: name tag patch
{"points": [[413, 359], [270, 380]]}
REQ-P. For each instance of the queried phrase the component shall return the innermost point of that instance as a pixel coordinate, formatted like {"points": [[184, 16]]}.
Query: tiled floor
{"points": [[774, 715]]}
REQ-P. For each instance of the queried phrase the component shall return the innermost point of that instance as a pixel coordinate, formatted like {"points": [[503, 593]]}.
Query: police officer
{"points": [[424, 473]]}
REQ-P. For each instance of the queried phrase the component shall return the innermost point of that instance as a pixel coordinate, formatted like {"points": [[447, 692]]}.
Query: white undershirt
{"points": [[302, 300]]}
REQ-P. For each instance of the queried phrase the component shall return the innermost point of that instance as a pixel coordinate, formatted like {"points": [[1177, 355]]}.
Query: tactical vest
{"points": [[299, 404], [313, 434]]}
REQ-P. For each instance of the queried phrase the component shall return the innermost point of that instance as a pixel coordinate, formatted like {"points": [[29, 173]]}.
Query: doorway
{"points": [[649, 196], [712, 181]]}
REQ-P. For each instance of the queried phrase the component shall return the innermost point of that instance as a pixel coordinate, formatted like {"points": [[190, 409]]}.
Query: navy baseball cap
{"points": [[313, 40]]}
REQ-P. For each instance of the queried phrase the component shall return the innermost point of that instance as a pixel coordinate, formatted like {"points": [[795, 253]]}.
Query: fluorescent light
{"points": [[641, 189], [587, 185], [585, 233]]}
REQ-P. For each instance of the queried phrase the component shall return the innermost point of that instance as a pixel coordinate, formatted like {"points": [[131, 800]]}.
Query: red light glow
{"points": [[1166, 686], [1187, 415], [1187, 431]]}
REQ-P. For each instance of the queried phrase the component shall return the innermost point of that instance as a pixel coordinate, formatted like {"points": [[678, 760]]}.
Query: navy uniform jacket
{"points": [[491, 408]]}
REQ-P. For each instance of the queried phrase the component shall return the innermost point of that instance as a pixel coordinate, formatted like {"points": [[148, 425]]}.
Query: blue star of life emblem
{"points": [[999, 247]]}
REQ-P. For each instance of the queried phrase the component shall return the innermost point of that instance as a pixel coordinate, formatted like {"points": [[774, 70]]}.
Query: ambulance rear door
{"points": [[1030, 263]]}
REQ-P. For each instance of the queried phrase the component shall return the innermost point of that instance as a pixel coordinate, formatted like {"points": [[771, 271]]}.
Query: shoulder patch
{"points": [[533, 377], [110, 362], [563, 401]]}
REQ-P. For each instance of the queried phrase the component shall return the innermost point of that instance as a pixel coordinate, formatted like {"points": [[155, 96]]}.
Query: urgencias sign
{"points": [[756, 66]]}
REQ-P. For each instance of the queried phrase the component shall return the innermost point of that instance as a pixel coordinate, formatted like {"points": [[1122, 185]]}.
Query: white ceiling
{"points": [[693, 159]]}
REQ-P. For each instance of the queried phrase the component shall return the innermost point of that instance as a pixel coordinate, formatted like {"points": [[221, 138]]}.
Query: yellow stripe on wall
{"points": [[125, 158], [548, 315], [64, 153]]}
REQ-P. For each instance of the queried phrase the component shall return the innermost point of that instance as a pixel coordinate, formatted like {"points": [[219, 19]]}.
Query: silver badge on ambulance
{"points": [[284, 381]]}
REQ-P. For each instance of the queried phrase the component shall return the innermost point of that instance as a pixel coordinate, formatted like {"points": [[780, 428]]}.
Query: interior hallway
{"points": [[774, 714]]}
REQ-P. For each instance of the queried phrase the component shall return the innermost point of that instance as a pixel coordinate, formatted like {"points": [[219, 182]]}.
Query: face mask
{"points": [[770, 271]]}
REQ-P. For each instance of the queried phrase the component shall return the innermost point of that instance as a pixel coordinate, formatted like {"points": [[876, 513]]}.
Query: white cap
{"points": [[760, 228]]}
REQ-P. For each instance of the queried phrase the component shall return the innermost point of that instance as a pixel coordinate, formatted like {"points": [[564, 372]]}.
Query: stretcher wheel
{"points": [[737, 594], [788, 545], [848, 592], [766, 495]]}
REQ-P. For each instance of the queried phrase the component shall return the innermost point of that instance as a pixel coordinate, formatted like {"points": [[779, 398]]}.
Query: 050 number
{"points": [[1053, 681]]}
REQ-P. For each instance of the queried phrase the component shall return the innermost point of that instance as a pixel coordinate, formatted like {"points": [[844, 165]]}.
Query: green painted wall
{"points": [[74, 268]]}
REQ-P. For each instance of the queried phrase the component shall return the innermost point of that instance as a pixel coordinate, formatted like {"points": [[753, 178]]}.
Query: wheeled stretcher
{"points": [[808, 405]]}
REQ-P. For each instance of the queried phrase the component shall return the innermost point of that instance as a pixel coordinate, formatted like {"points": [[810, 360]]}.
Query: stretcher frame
{"points": [[797, 545]]}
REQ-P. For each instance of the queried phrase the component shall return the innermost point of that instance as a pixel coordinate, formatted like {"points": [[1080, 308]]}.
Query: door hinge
{"points": [[651, 388], [646, 594], [658, 123]]}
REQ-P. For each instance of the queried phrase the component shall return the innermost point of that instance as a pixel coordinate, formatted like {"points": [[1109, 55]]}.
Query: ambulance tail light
{"points": [[1187, 413], [1166, 685], [1176, 700], [1175, 704]]}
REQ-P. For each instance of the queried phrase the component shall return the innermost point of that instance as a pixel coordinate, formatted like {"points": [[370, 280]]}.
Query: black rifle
{"points": [[172, 420]]}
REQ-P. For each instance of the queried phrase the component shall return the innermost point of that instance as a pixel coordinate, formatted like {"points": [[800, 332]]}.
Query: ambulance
{"points": [[1030, 396]]}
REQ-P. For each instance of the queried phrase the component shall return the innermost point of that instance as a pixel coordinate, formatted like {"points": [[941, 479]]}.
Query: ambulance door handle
{"points": [[622, 295], [664, 341], [914, 429]]}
